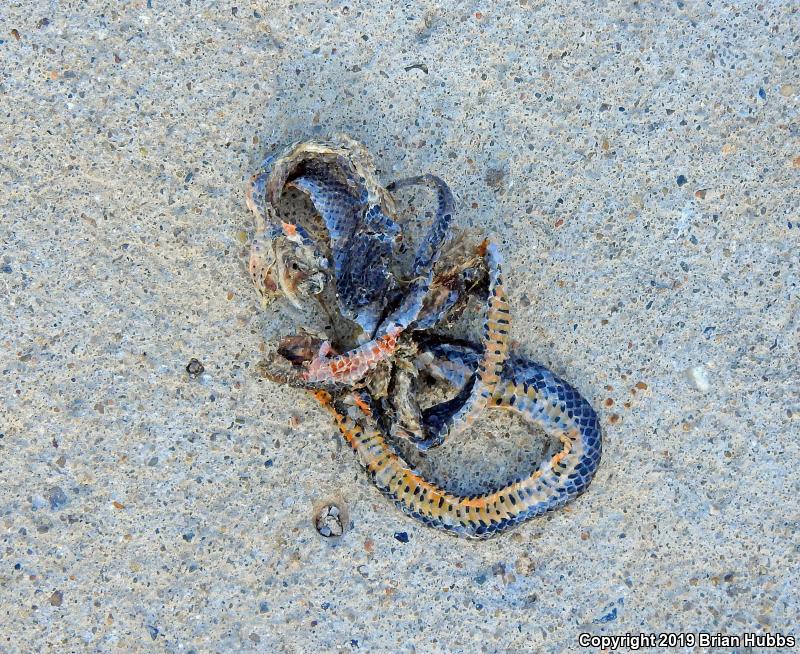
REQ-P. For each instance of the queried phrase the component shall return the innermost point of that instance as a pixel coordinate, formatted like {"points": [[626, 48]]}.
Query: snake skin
{"points": [[397, 319], [358, 214]]}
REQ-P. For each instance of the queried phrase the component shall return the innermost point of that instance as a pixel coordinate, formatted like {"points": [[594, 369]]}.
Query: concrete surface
{"points": [[639, 163]]}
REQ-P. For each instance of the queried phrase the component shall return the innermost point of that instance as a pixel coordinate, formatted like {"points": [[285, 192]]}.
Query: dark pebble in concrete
{"points": [[195, 368], [58, 498]]}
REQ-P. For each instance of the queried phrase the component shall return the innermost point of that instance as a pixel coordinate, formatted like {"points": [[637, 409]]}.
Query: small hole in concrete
{"points": [[331, 519]]}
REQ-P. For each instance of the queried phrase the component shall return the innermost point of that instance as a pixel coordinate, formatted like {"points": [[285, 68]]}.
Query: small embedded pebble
{"points": [[401, 536], [681, 180], [57, 598], [699, 378], [608, 617], [58, 498], [421, 67], [153, 631], [524, 565], [195, 368], [494, 177]]}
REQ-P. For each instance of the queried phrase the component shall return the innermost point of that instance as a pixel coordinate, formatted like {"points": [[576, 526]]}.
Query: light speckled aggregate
{"points": [[638, 165]]}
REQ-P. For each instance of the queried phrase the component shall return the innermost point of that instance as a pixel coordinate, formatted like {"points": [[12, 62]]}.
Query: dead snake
{"points": [[338, 176]]}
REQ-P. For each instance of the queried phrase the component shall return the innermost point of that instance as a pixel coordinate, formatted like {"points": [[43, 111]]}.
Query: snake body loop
{"points": [[525, 388]]}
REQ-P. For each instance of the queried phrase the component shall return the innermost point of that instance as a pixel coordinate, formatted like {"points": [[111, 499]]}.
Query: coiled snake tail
{"points": [[525, 387]]}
